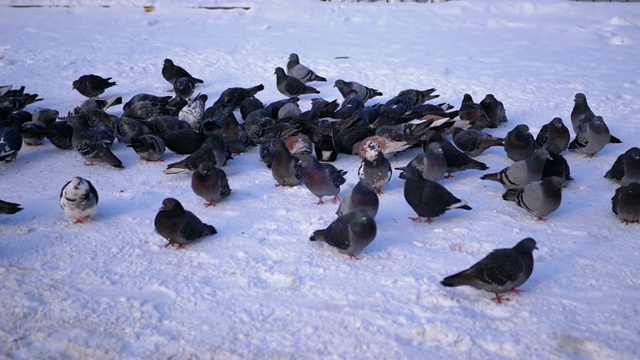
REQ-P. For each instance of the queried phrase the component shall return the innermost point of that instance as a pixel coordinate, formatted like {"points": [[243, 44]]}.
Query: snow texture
{"points": [[109, 289]]}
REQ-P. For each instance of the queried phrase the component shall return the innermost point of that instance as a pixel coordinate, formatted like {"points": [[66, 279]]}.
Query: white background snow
{"points": [[108, 289]]}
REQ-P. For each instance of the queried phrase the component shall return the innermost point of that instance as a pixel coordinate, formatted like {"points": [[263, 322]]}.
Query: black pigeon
{"points": [[364, 93], [349, 233], [210, 183], [519, 144], [300, 71], [179, 226], [171, 72], [213, 150], [184, 141], [626, 168], [474, 114], [556, 164], [10, 143], [92, 85], [321, 179], [148, 147], [501, 271], [361, 196], [494, 110], [184, 87], [554, 133], [235, 96], [9, 208], [474, 142], [143, 97], [33, 132], [415, 97], [428, 198], [285, 168], [59, 134], [456, 159], [625, 203]]}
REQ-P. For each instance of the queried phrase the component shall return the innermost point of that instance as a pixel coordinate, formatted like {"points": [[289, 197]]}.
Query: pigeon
{"points": [[556, 164], [626, 168], [431, 163], [349, 233], [414, 97], [210, 183], [9, 208], [171, 72], [92, 85], [297, 70], [428, 198], [375, 168], [184, 141], [10, 143], [362, 196], [625, 203], [59, 134], [581, 114], [474, 142], [321, 179], [503, 270], [364, 93], [290, 86], [142, 97], [540, 198], [184, 87], [285, 168], [474, 114], [389, 147], [46, 116], [95, 104], [192, 113], [89, 143], [235, 134], [519, 144], [179, 226], [522, 172], [324, 141], [592, 138], [128, 128], [235, 96], [494, 109], [79, 200], [148, 147], [213, 150], [554, 133], [33, 132], [456, 159]]}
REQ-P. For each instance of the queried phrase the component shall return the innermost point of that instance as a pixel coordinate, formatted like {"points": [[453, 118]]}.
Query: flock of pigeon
{"points": [[288, 138]]}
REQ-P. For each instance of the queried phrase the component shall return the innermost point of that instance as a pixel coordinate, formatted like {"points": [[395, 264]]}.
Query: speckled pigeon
{"points": [[79, 200], [148, 147], [90, 144], [375, 168]]}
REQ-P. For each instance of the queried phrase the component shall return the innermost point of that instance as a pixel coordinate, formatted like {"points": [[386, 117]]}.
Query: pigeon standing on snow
{"points": [[10, 143], [210, 183], [291, 86], [171, 72], [519, 144], [347, 87], [428, 198], [9, 207], [193, 111], [349, 233], [300, 71], [503, 270], [285, 168], [179, 226], [554, 133], [148, 147], [321, 179], [472, 112], [625, 203], [522, 172], [375, 168], [431, 163], [474, 142], [494, 109], [184, 88], [88, 142], [581, 114], [592, 138], [361, 196], [92, 85], [456, 159], [540, 198], [79, 200], [626, 168]]}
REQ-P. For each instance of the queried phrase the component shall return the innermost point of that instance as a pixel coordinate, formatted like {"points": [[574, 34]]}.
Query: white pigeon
{"points": [[79, 200]]}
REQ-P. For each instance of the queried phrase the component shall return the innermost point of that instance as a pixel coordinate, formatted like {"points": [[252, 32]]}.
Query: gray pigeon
{"points": [[474, 114], [192, 113], [90, 144], [347, 87], [540, 198], [291, 86], [581, 114], [494, 109], [171, 72], [349, 233], [285, 168], [519, 144], [474, 142], [625, 203], [456, 159], [297, 70], [522, 172], [431, 163], [503, 270], [592, 138], [33, 132], [554, 133], [92, 85], [148, 147], [375, 168], [12, 208], [79, 200], [179, 226], [321, 179], [626, 168], [361, 196], [428, 198], [210, 183], [10, 143]]}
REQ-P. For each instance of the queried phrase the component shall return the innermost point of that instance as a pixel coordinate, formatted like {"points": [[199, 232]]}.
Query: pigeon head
{"points": [[75, 84], [294, 57], [580, 98], [340, 84], [410, 172], [467, 99], [279, 71], [557, 122], [205, 168], [434, 147], [371, 149], [168, 62], [171, 204], [76, 182], [526, 246], [362, 223], [489, 98]]}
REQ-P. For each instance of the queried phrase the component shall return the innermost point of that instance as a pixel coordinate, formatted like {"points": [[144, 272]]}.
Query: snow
{"points": [[109, 289]]}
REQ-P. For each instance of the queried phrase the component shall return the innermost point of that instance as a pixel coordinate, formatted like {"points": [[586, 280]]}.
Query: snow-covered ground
{"points": [[109, 289]]}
